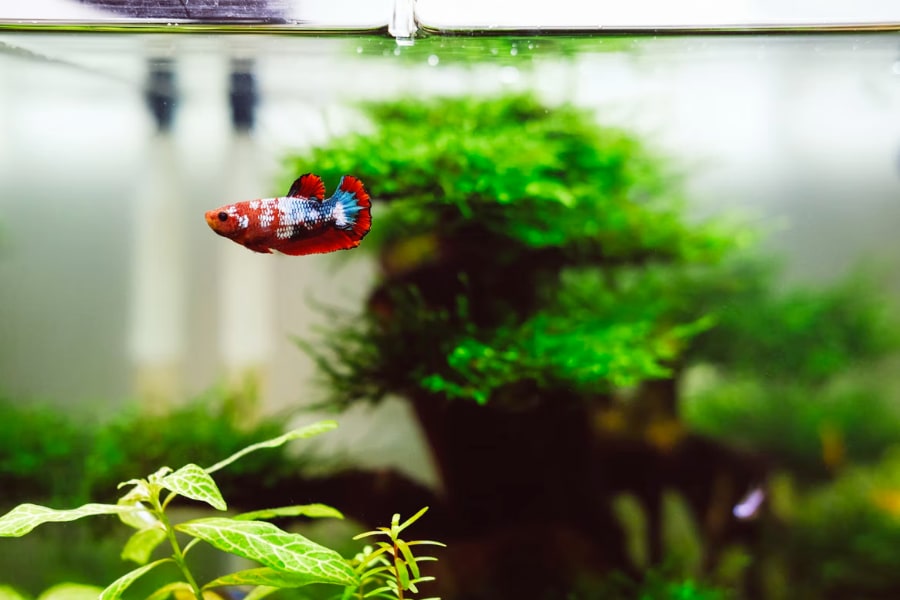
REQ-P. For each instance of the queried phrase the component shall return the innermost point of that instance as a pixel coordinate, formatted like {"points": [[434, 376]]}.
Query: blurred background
{"points": [[119, 308]]}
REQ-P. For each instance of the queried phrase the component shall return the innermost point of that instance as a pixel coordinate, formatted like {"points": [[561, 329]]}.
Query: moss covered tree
{"points": [[541, 292]]}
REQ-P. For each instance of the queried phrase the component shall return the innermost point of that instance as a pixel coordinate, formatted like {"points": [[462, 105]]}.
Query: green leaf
{"points": [[117, 587], [402, 574], [267, 577], [191, 481], [260, 592], [71, 591], [135, 512], [26, 517], [314, 511], [409, 558], [141, 545], [379, 531], [273, 547], [166, 591], [8, 593], [302, 432], [380, 592], [412, 519]]}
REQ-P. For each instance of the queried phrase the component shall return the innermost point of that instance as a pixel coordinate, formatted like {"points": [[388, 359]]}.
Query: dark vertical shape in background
{"points": [[160, 92], [243, 95]]}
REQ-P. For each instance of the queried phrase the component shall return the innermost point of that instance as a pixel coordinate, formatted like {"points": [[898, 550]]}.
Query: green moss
{"points": [[200, 431], [41, 450], [851, 420], [536, 176], [47, 455], [803, 335], [541, 229], [843, 537], [795, 371]]}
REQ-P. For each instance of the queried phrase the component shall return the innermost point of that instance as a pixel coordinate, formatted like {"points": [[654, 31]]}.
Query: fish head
{"points": [[228, 221]]}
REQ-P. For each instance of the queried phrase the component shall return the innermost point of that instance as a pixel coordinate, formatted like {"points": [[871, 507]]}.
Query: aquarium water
{"points": [[116, 137]]}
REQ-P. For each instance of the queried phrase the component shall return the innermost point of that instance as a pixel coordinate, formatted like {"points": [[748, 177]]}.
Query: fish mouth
{"points": [[212, 219]]}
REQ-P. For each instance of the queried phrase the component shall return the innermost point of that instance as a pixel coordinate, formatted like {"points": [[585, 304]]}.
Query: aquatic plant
{"points": [[288, 560], [840, 539], [541, 295], [51, 456], [540, 223], [528, 262]]}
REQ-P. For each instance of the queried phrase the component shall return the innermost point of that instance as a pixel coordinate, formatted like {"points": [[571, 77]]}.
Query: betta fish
{"points": [[302, 222]]}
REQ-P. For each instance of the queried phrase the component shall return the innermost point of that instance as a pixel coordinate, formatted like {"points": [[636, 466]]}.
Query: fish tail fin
{"points": [[353, 208]]}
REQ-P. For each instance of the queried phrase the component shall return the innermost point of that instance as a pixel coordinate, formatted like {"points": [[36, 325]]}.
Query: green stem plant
{"points": [[287, 560], [390, 568]]}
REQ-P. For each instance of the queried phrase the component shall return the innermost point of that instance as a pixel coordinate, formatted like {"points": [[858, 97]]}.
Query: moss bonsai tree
{"points": [[541, 293]]}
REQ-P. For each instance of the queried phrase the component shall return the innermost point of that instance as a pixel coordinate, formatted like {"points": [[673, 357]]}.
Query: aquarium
{"points": [[626, 320]]}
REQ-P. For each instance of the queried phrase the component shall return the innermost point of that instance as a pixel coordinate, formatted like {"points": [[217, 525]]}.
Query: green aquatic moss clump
{"points": [[533, 176], [523, 247], [47, 455]]}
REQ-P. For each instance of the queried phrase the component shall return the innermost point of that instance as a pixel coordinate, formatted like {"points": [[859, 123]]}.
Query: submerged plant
{"points": [[288, 560], [542, 294], [521, 245], [389, 568]]}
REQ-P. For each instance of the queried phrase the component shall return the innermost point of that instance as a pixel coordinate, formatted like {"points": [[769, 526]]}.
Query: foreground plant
{"points": [[389, 568], [288, 560]]}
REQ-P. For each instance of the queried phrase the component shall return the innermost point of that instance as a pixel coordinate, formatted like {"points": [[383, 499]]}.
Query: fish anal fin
{"points": [[328, 241], [308, 185], [261, 248]]}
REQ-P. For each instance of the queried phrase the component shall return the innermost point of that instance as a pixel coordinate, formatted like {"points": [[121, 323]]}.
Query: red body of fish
{"points": [[303, 222]]}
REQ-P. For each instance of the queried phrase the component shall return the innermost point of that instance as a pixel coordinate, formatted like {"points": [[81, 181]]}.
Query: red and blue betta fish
{"points": [[302, 222]]}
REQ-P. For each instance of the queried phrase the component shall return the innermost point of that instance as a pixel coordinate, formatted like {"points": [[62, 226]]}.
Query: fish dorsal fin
{"points": [[308, 186]]}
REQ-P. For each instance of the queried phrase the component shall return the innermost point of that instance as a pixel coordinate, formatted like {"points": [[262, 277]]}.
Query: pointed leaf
{"points": [[409, 558], [380, 531], [71, 591], [141, 545], [412, 519], [265, 576], [191, 481], [302, 432], [402, 573], [26, 517], [117, 587], [314, 511], [427, 543], [273, 547]]}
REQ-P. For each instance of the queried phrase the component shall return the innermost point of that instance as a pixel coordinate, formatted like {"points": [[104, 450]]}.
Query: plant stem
{"points": [[397, 569], [177, 554]]}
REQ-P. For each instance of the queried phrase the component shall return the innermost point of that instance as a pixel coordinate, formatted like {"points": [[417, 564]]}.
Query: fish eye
{"points": [[223, 216]]}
